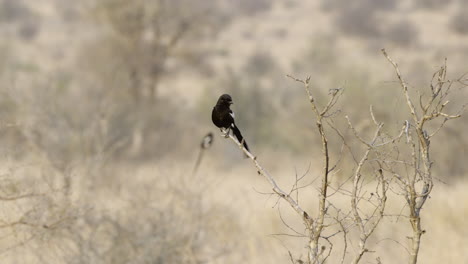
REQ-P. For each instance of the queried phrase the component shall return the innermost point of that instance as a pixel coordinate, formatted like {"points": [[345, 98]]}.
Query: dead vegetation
{"points": [[400, 163], [103, 107]]}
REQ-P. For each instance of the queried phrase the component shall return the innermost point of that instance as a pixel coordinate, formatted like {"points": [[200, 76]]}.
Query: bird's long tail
{"points": [[239, 136]]}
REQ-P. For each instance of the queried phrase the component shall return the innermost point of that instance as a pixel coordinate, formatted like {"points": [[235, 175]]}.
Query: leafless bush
{"points": [[36, 205], [417, 181], [400, 162], [162, 224]]}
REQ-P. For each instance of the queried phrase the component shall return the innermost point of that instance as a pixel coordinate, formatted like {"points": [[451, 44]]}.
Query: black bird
{"points": [[223, 117]]}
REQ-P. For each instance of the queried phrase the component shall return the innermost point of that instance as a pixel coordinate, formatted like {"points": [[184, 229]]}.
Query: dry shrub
{"points": [[155, 218], [162, 222]]}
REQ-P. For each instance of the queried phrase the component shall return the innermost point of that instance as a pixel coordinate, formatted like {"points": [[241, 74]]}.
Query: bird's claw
{"points": [[225, 133]]}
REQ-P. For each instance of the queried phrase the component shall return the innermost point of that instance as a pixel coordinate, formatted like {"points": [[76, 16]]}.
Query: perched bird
{"points": [[223, 117]]}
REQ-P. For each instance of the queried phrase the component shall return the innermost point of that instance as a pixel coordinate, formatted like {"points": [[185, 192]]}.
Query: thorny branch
{"points": [[285, 196], [366, 228], [433, 108], [383, 154], [314, 254]]}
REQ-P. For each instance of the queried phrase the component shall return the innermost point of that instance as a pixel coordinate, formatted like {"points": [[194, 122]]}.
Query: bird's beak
{"points": [[231, 103]]}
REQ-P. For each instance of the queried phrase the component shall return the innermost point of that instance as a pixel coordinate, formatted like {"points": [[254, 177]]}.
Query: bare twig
{"points": [[420, 168], [282, 194]]}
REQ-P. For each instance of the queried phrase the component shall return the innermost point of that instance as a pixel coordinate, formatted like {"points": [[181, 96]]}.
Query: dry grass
{"points": [[160, 212], [87, 175]]}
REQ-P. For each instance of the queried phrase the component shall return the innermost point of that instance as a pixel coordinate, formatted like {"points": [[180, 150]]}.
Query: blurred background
{"points": [[104, 104]]}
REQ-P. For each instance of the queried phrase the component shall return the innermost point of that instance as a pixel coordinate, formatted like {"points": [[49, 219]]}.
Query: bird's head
{"points": [[225, 99]]}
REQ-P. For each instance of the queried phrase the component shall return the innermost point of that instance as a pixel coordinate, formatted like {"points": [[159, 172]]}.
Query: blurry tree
{"points": [[170, 222], [137, 45], [148, 39]]}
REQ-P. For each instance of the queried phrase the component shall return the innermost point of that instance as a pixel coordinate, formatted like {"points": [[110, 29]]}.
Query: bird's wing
{"points": [[231, 113]]}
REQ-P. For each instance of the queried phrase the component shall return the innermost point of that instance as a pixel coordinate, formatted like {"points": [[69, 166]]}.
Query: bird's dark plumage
{"points": [[223, 117]]}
